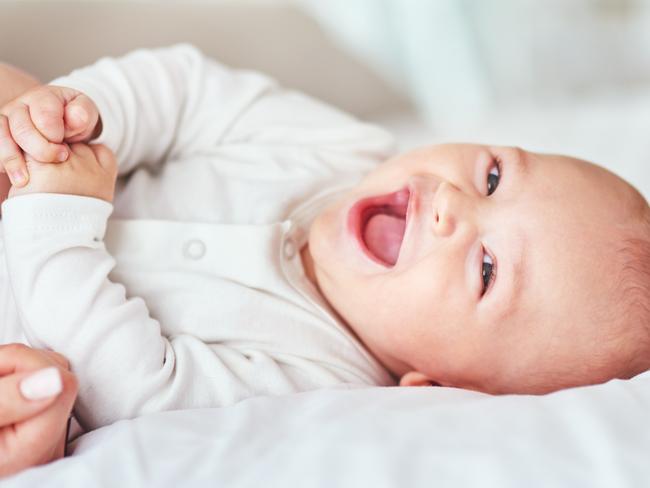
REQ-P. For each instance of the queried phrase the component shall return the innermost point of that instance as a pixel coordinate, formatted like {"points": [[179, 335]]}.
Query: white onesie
{"points": [[192, 294]]}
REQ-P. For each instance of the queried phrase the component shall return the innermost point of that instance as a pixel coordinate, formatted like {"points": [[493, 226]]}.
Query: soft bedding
{"points": [[595, 436]]}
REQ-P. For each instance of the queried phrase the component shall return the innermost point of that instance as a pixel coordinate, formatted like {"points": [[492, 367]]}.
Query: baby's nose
{"points": [[444, 218]]}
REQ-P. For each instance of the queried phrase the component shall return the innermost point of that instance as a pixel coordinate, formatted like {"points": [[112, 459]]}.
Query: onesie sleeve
{"points": [[157, 104], [59, 273]]}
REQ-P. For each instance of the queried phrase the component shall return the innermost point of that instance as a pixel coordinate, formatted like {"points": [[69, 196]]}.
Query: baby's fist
{"points": [[90, 170], [38, 122]]}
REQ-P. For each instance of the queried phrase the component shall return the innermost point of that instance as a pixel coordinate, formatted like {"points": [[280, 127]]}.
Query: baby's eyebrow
{"points": [[522, 163], [519, 275]]}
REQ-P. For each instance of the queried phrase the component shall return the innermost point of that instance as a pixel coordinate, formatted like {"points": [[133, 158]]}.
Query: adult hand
{"points": [[37, 392]]}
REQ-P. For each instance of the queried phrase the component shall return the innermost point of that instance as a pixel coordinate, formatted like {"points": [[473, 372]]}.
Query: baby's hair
{"points": [[633, 293]]}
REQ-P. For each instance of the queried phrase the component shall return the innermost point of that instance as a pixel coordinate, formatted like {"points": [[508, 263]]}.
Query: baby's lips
{"points": [[394, 203]]}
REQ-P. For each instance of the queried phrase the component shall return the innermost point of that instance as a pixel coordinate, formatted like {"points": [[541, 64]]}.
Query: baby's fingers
{"points": [[105, 157], [81, 118], [46, 113], [28, 137], [12, 161]]}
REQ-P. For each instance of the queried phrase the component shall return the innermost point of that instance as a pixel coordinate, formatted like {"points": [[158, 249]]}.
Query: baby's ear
{"points": [[413, 378]]}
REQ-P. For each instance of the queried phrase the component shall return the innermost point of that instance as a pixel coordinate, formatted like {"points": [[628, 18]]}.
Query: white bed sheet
{"points": [[595, 436]]}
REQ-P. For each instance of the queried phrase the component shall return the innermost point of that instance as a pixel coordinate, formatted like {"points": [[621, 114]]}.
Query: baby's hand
{"points": [[39, 122], [91, 170]]}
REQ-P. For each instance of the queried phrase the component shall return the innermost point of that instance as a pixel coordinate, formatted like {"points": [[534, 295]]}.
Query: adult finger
{"points": [[81, 117], [20, 358], [59, 359], [31, 140], [54, 419], [12, 160], [23, 395], [38, 440]]}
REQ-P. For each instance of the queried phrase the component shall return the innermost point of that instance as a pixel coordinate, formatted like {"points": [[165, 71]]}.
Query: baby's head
{"points": [[490, 268]]}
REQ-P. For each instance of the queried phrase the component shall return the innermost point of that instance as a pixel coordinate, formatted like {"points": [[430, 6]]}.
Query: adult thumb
{"points": [[23, 395]]}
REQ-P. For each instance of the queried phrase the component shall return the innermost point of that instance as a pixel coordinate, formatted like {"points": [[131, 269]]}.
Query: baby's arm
{"points": [[155, 104], [58, 270], [171, 103]]}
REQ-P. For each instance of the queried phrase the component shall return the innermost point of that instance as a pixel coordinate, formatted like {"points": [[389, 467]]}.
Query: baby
{"points": [[257, 246]]}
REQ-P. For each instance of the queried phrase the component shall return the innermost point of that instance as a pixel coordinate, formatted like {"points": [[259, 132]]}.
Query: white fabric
{"points": [[593, 437], [197, 297]]}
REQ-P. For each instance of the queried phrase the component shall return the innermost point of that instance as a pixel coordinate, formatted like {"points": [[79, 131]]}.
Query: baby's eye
{"points": [[493, 178], [487, 272]]}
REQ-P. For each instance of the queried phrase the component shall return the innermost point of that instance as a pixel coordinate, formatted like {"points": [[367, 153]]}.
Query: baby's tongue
{"points": [[383, 236]]}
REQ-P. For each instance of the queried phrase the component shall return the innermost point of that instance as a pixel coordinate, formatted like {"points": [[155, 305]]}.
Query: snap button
{"points": [[194, 249], [289, 249]]}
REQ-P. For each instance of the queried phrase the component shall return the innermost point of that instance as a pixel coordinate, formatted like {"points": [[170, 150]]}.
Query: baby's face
{"points": [[478, 267]]}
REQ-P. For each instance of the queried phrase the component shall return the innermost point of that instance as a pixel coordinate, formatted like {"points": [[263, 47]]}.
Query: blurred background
{"points": [[569, 76]]}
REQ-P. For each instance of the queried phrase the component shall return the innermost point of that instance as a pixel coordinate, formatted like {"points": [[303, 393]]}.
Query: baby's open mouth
{"points": [[383, 222]]}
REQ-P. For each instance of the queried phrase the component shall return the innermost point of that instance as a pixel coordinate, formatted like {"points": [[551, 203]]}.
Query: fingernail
{"points": [[43, 384], [17, 177], [63, 155]]}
